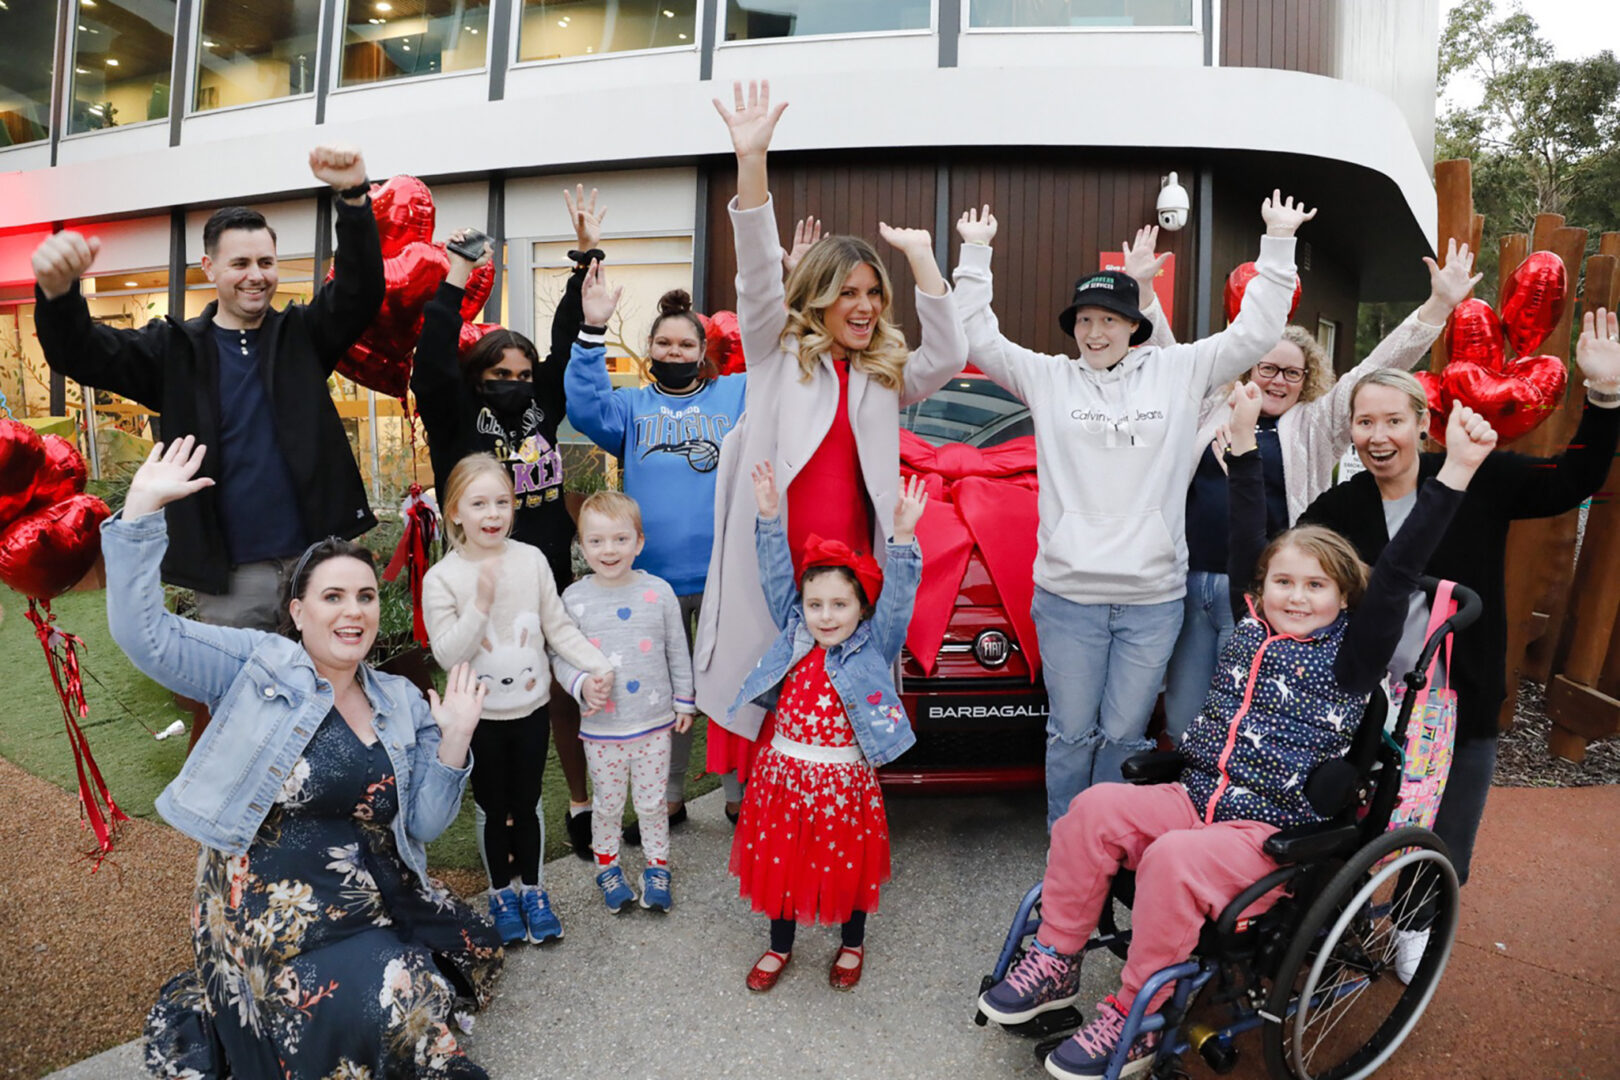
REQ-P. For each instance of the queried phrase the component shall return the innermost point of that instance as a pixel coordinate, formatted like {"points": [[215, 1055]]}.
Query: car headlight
{"points": [[992, 648]]}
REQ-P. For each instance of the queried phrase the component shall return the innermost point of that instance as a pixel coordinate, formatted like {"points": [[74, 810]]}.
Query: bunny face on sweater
{"points": [[512, 670]]}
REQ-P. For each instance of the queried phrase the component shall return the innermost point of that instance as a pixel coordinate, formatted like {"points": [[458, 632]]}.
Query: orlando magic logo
{"points": [[687, 433]]}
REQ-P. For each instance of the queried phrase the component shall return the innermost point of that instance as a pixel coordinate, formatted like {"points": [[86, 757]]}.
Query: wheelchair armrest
{"points": [[1311, 843], [1154, 767]]}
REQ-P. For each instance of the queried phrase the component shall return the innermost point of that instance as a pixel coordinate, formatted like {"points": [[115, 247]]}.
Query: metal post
{"points": [[376, 456], [90, 431]]}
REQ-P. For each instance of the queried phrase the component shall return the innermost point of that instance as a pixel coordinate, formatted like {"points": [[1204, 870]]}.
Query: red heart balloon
{"points": [[476, 293], [22, 452], [61, 476], [471, 332], [724, 342], [47, 552], [1533, 300], [1439, 404], [1516, 400], [1237, 283], [1474, 335]]}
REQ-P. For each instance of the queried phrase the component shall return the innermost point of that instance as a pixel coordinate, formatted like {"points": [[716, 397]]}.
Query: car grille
{"points": [[973, 749]]}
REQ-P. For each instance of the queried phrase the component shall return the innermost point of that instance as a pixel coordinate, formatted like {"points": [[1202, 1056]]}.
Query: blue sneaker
{"points": [[616, 891], [503, 908], [538, 916], [655, 889], [1042, 981], [1086, 1054]]}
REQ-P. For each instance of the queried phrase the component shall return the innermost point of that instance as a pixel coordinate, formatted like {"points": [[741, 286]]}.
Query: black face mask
{"points": [[507, 397], [674, 376]]}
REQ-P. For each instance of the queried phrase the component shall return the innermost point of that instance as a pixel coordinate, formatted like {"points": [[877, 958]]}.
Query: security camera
{"points": [[1174, 203]]}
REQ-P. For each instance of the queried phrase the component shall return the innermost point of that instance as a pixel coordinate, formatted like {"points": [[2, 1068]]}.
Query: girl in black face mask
{"points": [[667, 436], [502, 399]]}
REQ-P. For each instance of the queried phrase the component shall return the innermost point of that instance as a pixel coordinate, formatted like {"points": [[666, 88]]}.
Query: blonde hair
{"points": [[813, 287], [1336, 555], [467, 470], [1319, 377], [615, 506], [1395, 380]]}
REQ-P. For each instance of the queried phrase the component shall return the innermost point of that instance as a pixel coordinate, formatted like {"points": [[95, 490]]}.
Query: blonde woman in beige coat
{"points": [[795, 338]]}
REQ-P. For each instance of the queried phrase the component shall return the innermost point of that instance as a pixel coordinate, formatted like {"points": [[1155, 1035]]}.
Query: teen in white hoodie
{"points": [[1114, 450]]}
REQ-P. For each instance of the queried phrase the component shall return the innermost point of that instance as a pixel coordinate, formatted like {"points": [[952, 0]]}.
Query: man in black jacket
{"points": [[249, 382]]}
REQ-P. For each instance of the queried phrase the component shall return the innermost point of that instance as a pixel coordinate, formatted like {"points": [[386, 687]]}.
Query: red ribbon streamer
{"points": [[978, 499], [61, 653], [421, 526]]}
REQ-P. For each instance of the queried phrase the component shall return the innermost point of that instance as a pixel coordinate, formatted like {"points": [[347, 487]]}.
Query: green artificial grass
{"points": [[135, 765]]}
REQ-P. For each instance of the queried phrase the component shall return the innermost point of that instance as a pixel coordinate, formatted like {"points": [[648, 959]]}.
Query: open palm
{"points": [[168, 475], [751, 121]]}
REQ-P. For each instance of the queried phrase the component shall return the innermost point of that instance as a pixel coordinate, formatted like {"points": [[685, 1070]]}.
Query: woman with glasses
{"points": [[1304, 428]]}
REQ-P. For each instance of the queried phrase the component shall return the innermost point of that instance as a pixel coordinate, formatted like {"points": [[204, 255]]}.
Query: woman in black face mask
{"points": [[666, 435], [503, 400]]}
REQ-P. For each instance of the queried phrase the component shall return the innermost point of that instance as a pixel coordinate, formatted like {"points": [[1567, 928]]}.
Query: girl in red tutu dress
{"points": [[812, 844]]}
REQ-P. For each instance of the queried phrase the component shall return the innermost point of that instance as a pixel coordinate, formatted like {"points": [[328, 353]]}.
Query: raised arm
{"points": [[442, 761], [127, 362], [550, 378], [436, 370], [1003, 362], [1143, 264], [341, 309], [1246, 496], [771, 548], [1376, 627], [190, 658], [902, 570]]}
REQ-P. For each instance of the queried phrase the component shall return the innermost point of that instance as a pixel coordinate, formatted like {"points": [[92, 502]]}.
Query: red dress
{"points": [[828, 498], [813, 840]]}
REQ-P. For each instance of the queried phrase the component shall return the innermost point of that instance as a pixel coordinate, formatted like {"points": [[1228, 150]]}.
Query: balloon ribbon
{"points": [[421, 526]]}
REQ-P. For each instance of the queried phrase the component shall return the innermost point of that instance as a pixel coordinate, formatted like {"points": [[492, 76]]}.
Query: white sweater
{"points": [[1114, 449], [508, 646]]}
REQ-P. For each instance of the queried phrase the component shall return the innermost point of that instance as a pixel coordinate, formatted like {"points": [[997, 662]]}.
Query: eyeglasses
{"points": [[1291, 375]]}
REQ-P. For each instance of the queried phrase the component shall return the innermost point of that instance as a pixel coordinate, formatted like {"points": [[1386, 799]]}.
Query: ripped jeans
{"points": [[1103, 665]]}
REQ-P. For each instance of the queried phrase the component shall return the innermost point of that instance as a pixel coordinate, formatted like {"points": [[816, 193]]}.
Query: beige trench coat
{"points": [[784, 421]]}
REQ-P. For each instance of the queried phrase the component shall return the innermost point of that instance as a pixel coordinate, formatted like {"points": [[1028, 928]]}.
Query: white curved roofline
{"points": [[1244, 109]]}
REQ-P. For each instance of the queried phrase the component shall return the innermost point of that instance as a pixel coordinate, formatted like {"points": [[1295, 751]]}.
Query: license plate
{"points": [[981, 711]]}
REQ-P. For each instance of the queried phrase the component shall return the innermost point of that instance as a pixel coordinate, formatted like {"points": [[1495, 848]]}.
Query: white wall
{"points": [[1392, 46]]}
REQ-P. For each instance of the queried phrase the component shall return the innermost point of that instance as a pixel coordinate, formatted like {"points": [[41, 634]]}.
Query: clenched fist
{"points": [[63, 259], [340, 166]]}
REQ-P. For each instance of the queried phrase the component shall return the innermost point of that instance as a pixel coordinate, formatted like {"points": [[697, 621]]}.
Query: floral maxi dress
{"points": [[320, 954], [812, 843]]}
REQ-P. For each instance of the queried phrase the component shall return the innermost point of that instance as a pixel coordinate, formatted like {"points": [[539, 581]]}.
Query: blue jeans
{"points": [[1103, 664], [1206, 627]]}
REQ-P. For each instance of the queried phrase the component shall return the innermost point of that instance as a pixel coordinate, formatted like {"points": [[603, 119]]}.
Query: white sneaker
{"points": [[1410, 945]]}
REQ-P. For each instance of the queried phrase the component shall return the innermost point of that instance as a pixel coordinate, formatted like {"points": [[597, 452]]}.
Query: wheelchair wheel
{"points": [[1336, 1010]]}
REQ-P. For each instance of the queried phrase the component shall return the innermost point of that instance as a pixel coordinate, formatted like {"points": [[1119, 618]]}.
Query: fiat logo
{"points": [[992, 648]]}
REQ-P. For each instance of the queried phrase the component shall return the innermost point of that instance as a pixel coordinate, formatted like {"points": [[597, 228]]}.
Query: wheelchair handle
{"points": [[1469, 609]]}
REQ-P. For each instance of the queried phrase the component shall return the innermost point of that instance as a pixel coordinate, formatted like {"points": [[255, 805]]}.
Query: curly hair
{"points": [[1319, 376], [813, 287]]}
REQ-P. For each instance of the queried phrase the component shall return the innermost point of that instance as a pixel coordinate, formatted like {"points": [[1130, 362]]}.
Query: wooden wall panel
{"points": [[1293, 35]]}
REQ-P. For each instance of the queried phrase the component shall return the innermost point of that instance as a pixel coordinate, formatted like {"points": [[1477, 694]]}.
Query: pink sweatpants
{"points": [[641, 767], [1186, 872]]}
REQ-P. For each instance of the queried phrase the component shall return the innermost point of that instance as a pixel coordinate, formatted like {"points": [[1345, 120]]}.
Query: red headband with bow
{"points": [[819, 552]]}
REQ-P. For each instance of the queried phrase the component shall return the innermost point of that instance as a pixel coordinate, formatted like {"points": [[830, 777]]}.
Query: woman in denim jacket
{"points": [[322, 947], [812, 844]]}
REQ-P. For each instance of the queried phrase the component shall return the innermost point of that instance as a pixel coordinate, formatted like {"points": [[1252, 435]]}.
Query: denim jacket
{"points": [[267, 702], [861, 667]]}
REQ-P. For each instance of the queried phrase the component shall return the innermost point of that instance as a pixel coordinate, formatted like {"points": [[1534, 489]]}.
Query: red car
{"points": [[979, 715]]}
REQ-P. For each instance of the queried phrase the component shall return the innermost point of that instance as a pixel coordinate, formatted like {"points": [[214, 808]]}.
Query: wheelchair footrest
{"points": [[1066, 1021]]}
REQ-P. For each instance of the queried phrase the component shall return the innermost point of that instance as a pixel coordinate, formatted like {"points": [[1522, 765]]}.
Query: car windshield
{"points": [[969, 410]]}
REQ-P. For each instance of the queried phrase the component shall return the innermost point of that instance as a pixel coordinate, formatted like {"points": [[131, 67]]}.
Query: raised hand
{"points": [[1450, 284], [1245, 402], [1281, 216], [587, 217], [1597, 351], [1469, 441], [976, 226], [341, 167], [167, 475], [751, 121], [766, 497], [596, 300], [918, 247], [805, 235], [63, 259], [457, 713], [1140, 261], [461, 268], [908, 508]]}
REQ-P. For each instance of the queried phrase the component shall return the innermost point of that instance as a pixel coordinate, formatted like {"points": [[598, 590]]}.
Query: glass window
{"points": [[747, 20], [25, 71], [1080, 13], [255, 54], [553, 29], [122, 52], [395, 39], [647, 267]]}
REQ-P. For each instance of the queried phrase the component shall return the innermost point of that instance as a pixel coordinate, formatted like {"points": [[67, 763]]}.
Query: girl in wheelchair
{"points": [[1313, 640]]}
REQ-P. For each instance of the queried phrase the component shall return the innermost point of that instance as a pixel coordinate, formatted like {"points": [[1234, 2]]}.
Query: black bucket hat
{"points": [[1109, 289]]}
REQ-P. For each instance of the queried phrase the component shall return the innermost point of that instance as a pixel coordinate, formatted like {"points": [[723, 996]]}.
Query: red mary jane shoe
{"points": [[761, 979], [845, 978]]}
